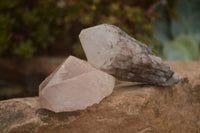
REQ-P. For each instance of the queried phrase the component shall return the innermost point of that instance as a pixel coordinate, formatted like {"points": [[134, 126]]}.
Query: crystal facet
{"points": [[74, 85], [115, 52]]}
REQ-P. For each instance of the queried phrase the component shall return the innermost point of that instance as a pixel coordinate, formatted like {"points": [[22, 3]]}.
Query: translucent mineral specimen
{"points": [[74, 85], [115, 52]]}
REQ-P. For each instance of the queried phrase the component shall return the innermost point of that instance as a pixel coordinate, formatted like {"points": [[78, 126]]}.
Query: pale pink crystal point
{"points": [[74, 85]]}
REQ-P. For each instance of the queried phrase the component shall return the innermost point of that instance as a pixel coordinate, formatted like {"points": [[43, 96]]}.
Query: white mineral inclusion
{"points": [[97, 42], [74, 85]]}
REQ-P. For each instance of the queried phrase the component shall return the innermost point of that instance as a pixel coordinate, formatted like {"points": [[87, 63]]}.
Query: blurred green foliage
{"points": [[34, 28], [183, 47], [178, 30], [31, 28]]}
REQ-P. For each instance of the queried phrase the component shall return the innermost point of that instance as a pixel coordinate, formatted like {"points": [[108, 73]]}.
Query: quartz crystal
{"points": [[74, 85], [115, 52]]}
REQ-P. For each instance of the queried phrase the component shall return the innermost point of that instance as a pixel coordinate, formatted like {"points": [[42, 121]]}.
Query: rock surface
{"points": [[115, 52], [74, 85], [131, 108]]}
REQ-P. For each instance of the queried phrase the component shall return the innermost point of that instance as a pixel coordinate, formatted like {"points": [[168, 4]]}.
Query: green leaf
{"points": [[86, 19], [182, 48], [24, 49], [43, 36], [6, 21], [30, 17]]}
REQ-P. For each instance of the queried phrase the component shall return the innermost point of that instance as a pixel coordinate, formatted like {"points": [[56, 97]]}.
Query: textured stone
{"points": [[115, 52], [131, 108], [74, 85]]}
